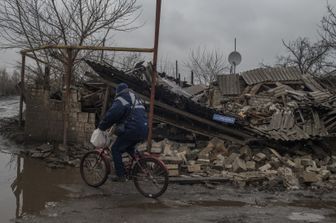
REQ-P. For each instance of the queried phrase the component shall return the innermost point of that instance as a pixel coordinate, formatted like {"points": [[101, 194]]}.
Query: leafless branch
{"points": [[32, 23], [206, 64]]}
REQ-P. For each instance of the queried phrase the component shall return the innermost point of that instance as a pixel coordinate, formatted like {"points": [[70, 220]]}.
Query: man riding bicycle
{"points": [[129, 115]]}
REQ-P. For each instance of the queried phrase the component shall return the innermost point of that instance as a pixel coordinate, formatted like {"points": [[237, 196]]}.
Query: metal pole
{"points": [[23, 64], [154, 74], [64, 47], [66, 97], [176, 69], [102, 52], [192, 77]]}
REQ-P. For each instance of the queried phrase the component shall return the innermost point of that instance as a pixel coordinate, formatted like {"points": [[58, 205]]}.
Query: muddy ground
{"points": [[121, 203], [32, 192]]}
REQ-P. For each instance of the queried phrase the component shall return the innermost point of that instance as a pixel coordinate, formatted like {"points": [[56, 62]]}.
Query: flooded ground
{"points": [[31, 192], [26, 186], [9, 106]]}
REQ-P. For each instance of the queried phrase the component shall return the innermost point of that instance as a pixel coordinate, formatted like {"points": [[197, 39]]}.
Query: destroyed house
{"points": [[279, 103], [268, 104]]}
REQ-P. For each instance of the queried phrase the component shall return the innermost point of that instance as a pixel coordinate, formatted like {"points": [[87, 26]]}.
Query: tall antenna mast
{"points": [[234, 58]]}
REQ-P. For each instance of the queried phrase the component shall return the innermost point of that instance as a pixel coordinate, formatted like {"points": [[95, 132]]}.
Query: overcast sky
{"points": [[258, 25]]}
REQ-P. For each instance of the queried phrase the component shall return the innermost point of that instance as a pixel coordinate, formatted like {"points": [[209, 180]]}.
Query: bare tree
{"points": [[328, 27], [34, 23], [165, 65], [306, 56], [328, 34], [206, 64], [128, 61]]}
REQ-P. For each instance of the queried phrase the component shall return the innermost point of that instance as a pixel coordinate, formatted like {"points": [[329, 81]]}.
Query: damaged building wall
{"points": [[44, 118]]}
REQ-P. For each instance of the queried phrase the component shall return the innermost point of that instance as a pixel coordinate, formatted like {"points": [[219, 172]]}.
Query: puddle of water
{"points": [[27, 186], [176, 204], [9, 106], [218, 203], [313, 204], [306, 217]]}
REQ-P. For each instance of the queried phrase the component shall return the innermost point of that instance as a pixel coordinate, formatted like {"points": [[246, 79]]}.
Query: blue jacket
{"points": [[136, 126]]}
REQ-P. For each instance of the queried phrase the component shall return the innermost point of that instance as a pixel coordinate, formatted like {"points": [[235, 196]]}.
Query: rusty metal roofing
{"points": [[229, 84], [271, 74], [195, 89]]}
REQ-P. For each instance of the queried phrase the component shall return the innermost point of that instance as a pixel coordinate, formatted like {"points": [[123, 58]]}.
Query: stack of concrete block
{"points": [[45, 118]]}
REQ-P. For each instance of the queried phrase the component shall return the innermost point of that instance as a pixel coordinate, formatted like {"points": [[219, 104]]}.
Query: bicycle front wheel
{"points": [[94, 169], [150, 177]]}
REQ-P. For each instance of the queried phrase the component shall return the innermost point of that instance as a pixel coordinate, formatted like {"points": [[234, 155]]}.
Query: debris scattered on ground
{"points": [[243, 166]]}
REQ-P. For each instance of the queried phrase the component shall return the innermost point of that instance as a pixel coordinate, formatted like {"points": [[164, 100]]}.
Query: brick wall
{"points": [[44, 118]]}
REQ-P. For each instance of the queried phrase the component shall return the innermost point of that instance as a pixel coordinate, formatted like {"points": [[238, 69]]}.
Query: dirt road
{"points": [[119, 202]]}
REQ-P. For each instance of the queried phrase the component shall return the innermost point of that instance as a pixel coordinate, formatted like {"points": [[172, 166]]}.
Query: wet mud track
{"points": [[120, 202]]}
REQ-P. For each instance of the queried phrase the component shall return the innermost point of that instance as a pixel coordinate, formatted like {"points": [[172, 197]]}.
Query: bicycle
{"points": [[143, 168]]}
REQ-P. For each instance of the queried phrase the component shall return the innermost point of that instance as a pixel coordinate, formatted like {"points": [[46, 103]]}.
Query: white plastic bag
{"points": [[99, 138]]}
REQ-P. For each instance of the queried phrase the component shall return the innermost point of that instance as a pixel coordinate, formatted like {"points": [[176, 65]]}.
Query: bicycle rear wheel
{"points": [[94, 169], [150, 177]]}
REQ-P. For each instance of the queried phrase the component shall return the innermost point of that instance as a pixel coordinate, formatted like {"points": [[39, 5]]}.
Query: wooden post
{"points": [[192, 77], [66, 97], [18, 191], [23, 65], [106, 100], [102, 52], [176, 69], [46, 84]]}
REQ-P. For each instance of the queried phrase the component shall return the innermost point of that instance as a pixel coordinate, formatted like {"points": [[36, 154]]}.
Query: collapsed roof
{"points": [[279, 103]]}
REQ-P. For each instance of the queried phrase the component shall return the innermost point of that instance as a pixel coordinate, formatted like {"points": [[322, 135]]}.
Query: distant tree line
{"points": [[8, 82]]}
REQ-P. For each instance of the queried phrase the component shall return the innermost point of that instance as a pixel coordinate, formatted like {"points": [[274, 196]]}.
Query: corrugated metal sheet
{"points": [[283, 127], [319, 96], [229, 84], [271, 74], [311, 83]]}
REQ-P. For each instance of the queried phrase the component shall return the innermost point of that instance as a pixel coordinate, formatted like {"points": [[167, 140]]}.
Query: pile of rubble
{"points": [[245, 166], [278, 103], [57, 156]]}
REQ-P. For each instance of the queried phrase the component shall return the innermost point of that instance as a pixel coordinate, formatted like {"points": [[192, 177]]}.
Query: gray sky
{"points": [[259, 26]]}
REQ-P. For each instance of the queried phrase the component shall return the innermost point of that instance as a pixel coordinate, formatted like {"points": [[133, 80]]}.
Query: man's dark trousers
{"points": [[121, 145]]}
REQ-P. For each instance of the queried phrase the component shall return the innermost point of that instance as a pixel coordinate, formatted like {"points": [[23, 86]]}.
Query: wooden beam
{"points": [[66, 98], [106, 100]]}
